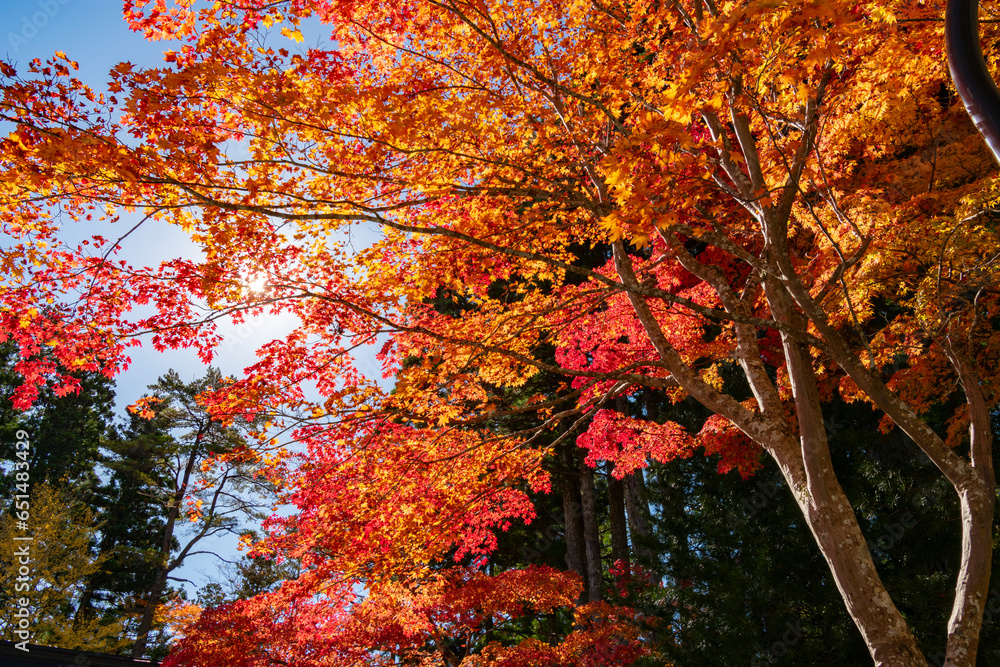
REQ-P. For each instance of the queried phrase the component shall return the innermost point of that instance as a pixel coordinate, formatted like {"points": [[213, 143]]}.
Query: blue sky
{"points": [[93, 33], [89, 31]]}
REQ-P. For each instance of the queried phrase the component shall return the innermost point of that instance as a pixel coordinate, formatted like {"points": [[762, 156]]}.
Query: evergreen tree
{"points": [[66, 432], [134, 518], [201, 474]]}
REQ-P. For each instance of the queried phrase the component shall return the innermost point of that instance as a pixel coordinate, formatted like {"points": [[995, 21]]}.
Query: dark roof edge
{"points": [[47, 656]]}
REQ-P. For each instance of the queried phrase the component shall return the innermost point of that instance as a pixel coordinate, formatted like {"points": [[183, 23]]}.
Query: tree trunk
{"points": [[829, 514], [977, 498], [572, 514], [83, 609], [149, 612], [806, 465], [160, 585], [616, 519], [834, 526], [972, 587], [637, 508], [616, 503], [591, 535]]}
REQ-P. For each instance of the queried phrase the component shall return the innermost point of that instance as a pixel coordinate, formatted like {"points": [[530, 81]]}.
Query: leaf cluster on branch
{"points": [[631, 196]]}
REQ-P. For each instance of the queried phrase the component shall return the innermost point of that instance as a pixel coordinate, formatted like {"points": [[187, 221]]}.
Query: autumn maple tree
{"points": [[767, 180]]}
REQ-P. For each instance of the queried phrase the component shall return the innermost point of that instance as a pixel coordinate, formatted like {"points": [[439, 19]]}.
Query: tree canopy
{"points": [[761, 207], [61, 563]]}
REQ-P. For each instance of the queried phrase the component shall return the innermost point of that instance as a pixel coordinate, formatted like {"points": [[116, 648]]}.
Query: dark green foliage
{"points": [[66, 433], [134, 518], [744, 581], [134, 478]]}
